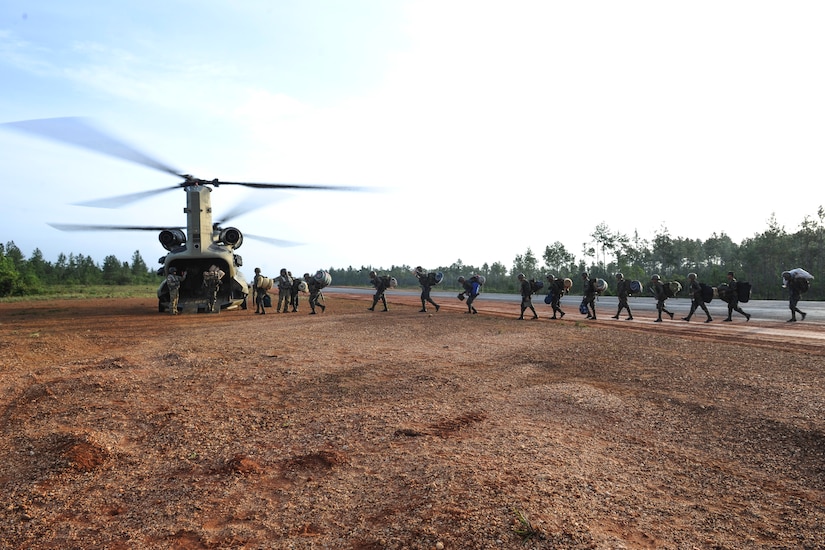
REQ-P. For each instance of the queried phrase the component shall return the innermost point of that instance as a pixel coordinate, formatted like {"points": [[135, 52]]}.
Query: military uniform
{"points": [[472, 288], [556, 292], [381, 284], [589, 297], [622, 292], [426, 285], [526, 297], [697, 300], [212, 282], [314, 288], [258, 293], [296, 292], [284, 292], [173, 282], [733, 298], [794, 295], [659, 293]]}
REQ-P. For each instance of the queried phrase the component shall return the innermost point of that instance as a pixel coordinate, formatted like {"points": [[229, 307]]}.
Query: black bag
{"points": [[267, 300], [706, 292], [743, 291]]}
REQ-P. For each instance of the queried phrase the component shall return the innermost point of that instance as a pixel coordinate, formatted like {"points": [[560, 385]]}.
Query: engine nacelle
{"points": [[231, 236], [171, 238]]}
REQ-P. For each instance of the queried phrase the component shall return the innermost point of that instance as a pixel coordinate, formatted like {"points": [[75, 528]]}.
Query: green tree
{"points": [[9, 277], [558, 260], [526, 263]]}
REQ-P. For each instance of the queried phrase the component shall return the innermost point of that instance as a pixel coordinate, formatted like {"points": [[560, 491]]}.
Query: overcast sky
{"points": [[491, 127]]}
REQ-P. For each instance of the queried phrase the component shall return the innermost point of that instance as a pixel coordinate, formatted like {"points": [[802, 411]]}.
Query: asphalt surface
{"points": [[767, 310]]}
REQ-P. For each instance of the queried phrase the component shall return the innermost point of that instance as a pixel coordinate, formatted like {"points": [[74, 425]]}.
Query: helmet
{"points": [[654, 277], [461, 279], [585, 275], [619, 276], [372, 274], [257, 270], [521, 275], [691, 275], [550, 277]]}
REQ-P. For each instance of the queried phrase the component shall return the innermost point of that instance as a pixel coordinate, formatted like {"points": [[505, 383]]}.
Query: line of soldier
{"points": [[289, 291], [696, 291], [558, 287]]}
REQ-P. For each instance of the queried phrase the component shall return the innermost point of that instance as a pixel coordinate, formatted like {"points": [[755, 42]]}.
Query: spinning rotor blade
{"points": [[273, 241], [247, 206], [82, 227], [122, 200], [75, 131], [304, 186]]}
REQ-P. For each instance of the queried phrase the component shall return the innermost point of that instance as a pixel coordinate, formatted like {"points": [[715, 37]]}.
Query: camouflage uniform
{"points": [[212, 282], [284, 292], [173, 281]]}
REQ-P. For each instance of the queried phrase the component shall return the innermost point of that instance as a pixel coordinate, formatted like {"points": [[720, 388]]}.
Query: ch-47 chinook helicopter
{"points": [[203, 243]]}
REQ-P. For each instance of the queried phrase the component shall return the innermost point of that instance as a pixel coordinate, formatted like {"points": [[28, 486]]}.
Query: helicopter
{"points": [[201, 245]]}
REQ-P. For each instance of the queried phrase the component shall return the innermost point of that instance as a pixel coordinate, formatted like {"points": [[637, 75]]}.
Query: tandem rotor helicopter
{"points": [[203, 243]]}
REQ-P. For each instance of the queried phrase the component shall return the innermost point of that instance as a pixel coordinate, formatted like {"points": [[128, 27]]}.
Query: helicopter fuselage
{"points": [[204, 245]]}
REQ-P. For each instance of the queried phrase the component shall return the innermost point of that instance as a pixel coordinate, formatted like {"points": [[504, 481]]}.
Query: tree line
{"points": [[759, 260], [21, 276]]}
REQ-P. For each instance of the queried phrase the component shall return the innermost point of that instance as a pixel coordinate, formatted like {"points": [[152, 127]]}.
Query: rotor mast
{"points": [[198, 217]]}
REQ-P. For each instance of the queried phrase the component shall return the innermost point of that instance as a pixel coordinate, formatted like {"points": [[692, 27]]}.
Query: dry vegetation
{"points": [[124, 428]]}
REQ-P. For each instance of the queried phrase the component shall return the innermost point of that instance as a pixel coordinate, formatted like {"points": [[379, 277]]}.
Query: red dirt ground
{"points": [[125, 428]]}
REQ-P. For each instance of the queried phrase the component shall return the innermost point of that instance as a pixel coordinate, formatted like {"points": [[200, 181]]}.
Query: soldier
{"points": [[588, 304], [697, 300], [212, 282], [426, 285], [284, 292], [296, 292], [258, 292], [794, 295], [622, 291], [556, 291], [472, 288], [173, 281], [314, 287], [381, 284], [526, 297], [733, 298], [659, 293]]}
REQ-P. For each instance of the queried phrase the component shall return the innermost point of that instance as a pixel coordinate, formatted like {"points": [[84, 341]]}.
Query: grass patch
{"points": [[87, 292]]}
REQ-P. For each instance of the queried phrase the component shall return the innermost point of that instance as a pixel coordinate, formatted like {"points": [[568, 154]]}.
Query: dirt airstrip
{"points": [[123, 428]]}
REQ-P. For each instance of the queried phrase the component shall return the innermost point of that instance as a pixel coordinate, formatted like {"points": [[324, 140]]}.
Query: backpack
{"points": [[706, 292], [535, 286], [264, 283], [635, 287], [322, 278], [172, 282], [388, 282], [672, 288], [802, 285], [743, 291], [434, 278]]}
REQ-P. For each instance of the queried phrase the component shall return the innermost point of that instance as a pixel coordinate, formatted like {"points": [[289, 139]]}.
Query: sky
{"points": [[481, 129]]}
